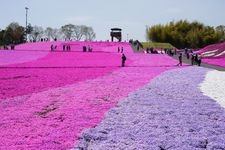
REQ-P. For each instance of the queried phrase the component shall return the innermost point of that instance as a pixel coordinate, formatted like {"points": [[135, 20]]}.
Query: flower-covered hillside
{"points": [[27, 70], [213, 54], [46, 102], [170, 112]]}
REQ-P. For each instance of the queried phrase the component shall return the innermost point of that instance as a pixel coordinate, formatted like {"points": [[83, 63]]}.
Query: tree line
{"points": [[16, 34], [185, 34]]}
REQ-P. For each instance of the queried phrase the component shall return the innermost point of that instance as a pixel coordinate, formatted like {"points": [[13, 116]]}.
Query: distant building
{"points": [[116, 33]]}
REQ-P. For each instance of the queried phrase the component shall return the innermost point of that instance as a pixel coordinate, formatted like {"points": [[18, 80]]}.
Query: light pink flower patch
{"points": [[13, 57]]}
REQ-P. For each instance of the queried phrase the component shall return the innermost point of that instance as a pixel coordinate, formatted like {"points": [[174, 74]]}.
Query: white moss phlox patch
{"points": [[214, 86]]}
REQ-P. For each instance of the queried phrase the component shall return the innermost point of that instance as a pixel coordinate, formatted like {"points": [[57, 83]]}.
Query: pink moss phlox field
{"points": [[213, 54], [76, 46], [37, 46], [13, 57], [58, 103], [56, 69], [215, 61], [215, 50]]}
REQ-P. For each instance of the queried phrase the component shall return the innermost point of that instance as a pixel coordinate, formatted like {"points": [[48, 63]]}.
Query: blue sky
{"points": [[131, 16]]}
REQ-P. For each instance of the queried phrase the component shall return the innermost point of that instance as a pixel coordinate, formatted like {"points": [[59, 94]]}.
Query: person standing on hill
{"points": [[123, 60], [196, 59], [180, 60], [192, 59], [199, 60], [52, 47]]}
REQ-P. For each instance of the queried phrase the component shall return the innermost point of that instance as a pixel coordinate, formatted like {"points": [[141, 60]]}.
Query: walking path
{"points": [[188, 61]]}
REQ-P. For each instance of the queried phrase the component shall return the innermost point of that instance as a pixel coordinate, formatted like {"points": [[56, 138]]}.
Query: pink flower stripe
{"points": [[12, 57], [213, 54], [215, 61], [75, 46], [215, 50]]}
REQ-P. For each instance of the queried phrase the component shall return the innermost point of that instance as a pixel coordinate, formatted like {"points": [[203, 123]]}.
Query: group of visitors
{"points": [[41, 40], [53, 47], [151, 51], [45, 39], [195, 58], [11, 47], [87, 48], [120, 50], [66, 48], [170, 52], [123, 58]]}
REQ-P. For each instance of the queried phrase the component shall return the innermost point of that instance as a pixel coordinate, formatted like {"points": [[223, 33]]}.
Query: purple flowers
{"points": [[169, 113]]}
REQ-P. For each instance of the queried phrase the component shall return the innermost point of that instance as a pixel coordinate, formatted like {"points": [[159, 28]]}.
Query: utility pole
{"points": [[26, 21]]}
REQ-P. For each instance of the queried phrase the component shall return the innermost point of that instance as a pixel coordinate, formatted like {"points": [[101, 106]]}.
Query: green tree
{"points": [[220, 30], [2, 32], [89, 34], [13, 34], [184, 34]]}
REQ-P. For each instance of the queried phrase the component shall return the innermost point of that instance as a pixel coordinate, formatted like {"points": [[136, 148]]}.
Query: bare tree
{"points": [[57, 33], [68, 30], [84, 32], [48, 32], [89, 33], [78, 32], [36, 33]]}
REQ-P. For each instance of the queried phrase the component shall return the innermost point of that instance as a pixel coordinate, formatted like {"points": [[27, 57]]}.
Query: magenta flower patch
{"points": [[46, 102]]}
